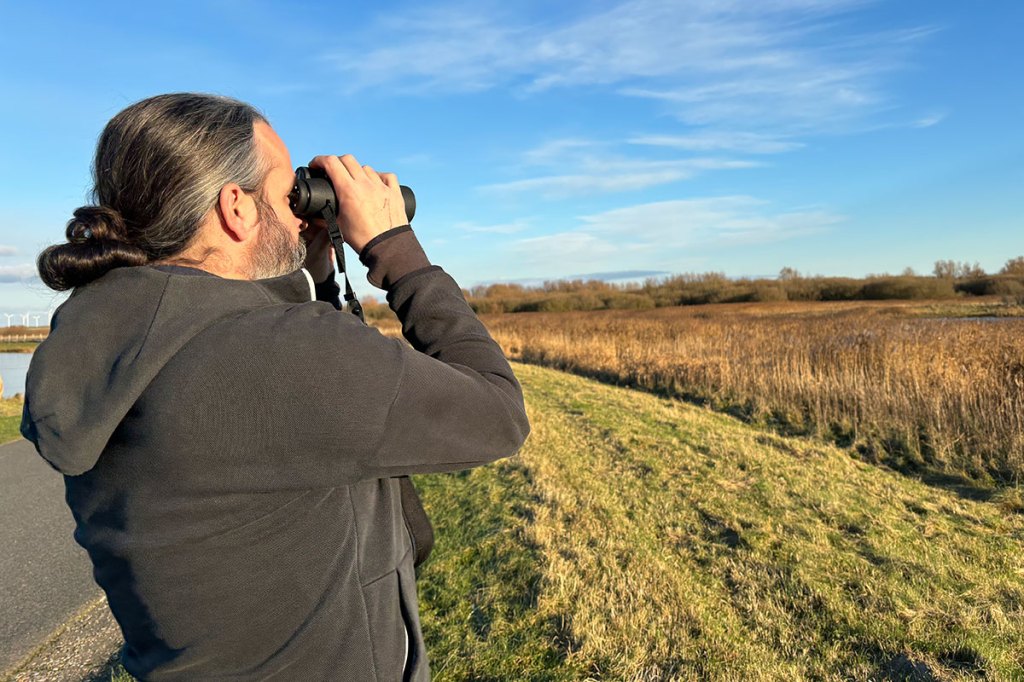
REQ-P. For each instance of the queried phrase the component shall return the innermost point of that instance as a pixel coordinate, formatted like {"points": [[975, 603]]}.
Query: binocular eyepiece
{"points": [[313, 191]]}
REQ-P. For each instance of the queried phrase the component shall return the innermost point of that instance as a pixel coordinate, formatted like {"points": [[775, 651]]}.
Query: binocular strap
{"points": [[339, 242]]}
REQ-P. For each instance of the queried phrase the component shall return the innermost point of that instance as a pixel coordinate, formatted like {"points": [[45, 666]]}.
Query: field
{"points": [[642, 537], [892, 381]]}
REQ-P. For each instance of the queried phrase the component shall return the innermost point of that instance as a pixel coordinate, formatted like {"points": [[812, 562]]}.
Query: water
{"points": [[13, 368]]}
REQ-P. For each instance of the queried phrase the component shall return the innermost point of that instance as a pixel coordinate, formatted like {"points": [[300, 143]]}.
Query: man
{"points": [[228, 444]]}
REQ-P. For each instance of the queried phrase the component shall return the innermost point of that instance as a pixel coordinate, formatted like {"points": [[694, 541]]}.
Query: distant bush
{"points": [[630, 301], [995, 285], [715, 287], [908, 288], [764, 293], [1014, 266], [838, 289]]}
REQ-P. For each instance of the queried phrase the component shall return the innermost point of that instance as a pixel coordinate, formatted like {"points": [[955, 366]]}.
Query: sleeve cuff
{"points": [[391, 255]]}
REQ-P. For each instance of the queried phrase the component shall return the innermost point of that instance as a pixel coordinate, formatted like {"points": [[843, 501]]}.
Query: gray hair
{"points": [[160, 165]]}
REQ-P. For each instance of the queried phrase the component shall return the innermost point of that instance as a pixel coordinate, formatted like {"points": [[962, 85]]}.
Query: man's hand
{"points": [[369, 202]]}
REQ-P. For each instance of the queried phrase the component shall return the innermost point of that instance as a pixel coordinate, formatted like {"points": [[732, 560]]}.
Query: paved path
{"points": [[45, 576]]}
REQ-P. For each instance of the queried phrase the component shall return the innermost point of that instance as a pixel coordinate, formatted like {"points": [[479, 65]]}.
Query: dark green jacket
{"points": [[229, 447]]}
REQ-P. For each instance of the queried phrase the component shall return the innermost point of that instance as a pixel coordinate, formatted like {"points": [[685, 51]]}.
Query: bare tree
{"points": [[1014, 266]]}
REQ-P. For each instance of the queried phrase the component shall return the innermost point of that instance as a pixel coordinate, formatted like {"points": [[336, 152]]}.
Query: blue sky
{"points": [[840, 137]]}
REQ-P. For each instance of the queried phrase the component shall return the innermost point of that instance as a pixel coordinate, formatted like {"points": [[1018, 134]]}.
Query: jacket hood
{"points": [[110, 339]]}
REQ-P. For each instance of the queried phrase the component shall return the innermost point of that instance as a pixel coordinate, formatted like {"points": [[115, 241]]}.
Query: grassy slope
{"points": [[638, 538], [672, 542]]}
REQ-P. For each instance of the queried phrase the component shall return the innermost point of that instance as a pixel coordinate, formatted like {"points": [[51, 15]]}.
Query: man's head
{"points": [[258, 229], [184, 178]]}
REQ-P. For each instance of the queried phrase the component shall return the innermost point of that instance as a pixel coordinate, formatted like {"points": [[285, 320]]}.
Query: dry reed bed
{"points": [[945, 393]]}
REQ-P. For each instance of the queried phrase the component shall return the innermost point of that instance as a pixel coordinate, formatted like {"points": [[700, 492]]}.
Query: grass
{"points": [[18, 346], [641, 538], [10, 419], [682, 544]]}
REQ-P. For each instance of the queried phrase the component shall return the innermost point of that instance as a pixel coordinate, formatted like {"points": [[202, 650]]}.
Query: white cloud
{"points": [[26, 272], [672, 236], [594, 175], [8, 250], [503, 228], [929, 120], [556, 255], [556, 151], [794, 65], [712, 141], [711, 221]]}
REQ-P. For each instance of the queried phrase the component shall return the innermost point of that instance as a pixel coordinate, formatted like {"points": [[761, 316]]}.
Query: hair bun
{"points": [[96, 222], [97, 243]]}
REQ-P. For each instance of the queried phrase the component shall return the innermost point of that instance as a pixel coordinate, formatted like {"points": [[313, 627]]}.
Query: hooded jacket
{"points": [[228, 450]]}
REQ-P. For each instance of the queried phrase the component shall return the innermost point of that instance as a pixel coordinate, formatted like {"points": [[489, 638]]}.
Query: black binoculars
{"points": [[313, 192]]}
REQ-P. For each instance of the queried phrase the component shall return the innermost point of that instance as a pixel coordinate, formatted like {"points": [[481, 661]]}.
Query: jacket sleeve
{"points": [[457, 385], [374, 407]]}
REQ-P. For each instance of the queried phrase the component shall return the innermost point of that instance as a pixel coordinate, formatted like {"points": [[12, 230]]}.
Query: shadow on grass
{"points": [[961, 485]]}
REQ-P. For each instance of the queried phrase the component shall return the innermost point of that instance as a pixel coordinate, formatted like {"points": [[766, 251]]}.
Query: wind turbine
{"points": [[35, 320], [10, 316], [24, 319]]}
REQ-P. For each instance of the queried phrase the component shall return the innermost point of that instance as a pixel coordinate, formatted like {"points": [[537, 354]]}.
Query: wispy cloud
{"points": [[613, 175], [711, 221], [670, 236], [8, 250], [556, 255], [614, 276], [555, 152], [793, 65], [503, 228], [19, 273], [929, 120], [715, 141], [587, 167]]}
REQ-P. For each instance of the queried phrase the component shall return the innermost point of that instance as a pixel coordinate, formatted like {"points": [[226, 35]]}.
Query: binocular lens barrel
{"points": [[313, 191]]}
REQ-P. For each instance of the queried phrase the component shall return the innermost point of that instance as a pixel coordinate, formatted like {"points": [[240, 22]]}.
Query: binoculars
{"points": [[313, 192]]}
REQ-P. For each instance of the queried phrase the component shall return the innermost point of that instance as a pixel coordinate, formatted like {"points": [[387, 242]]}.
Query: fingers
{"points": [[353, 167], [350, 165]]}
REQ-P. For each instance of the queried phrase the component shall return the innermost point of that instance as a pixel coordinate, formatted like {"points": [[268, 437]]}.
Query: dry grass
{"points": [[915, 392], [683, 545]]}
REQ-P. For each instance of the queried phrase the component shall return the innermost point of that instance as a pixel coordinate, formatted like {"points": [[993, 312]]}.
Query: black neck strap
{"points": [[335, 232]]}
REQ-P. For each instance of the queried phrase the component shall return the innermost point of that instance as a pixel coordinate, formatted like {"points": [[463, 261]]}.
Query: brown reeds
{"points": [[918, 393]]}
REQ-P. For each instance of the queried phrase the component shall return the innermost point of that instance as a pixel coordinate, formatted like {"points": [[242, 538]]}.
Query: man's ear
{"points": [[238, 213]]}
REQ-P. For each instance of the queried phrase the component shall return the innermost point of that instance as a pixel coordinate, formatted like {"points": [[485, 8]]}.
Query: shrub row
{"points": [[696, 289]]}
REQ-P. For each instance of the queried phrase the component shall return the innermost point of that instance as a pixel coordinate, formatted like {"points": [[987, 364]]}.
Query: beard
{"points": [[274, 253]]}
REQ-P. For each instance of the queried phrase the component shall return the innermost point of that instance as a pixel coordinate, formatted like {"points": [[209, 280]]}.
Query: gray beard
{"points": [[274, 254]]}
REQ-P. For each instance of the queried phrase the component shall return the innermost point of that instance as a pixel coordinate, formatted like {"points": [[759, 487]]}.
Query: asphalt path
{"points": [[45, 577]]}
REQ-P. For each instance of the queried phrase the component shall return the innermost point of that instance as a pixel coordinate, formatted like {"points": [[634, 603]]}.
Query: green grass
{"points": [[10, 419], [18, 346], [683, 544], [641, 538], [481, 591]]}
